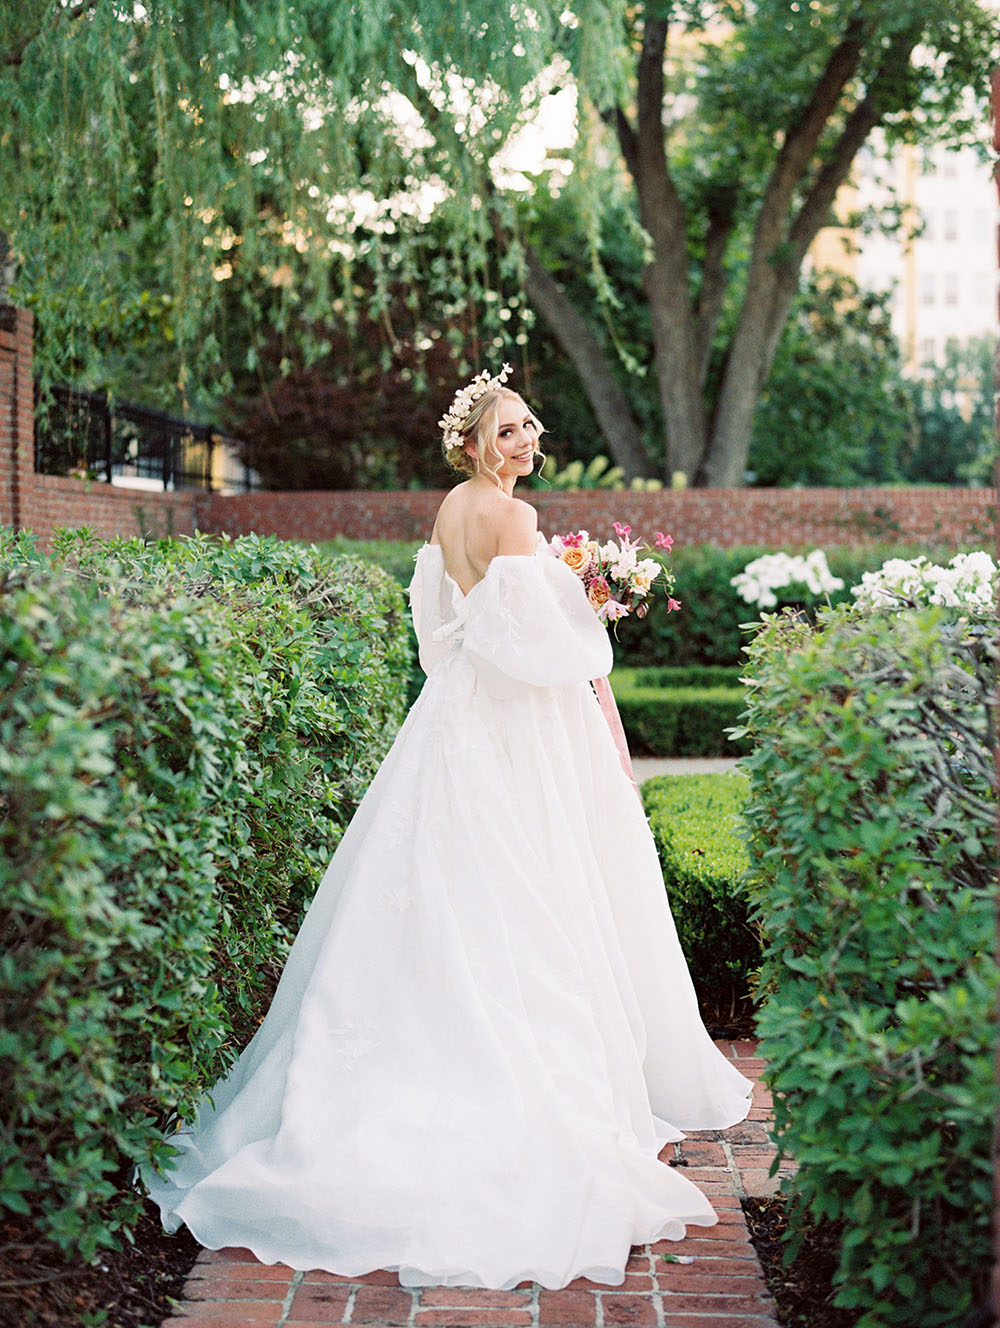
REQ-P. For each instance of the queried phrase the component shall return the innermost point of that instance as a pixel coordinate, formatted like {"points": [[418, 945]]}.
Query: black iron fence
{"points": [[81, 433]]}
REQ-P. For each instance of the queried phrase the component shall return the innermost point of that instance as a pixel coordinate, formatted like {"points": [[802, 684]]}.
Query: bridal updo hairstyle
{"points": [[481, 427]]}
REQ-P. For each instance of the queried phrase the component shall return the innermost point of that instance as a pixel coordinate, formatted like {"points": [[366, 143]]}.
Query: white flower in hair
{"points": [[465, 399]]}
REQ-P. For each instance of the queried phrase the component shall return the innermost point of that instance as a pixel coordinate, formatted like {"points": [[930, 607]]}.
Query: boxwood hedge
{"points": [[697, 824], [873, 814], [185, 728], [678, 720], [707, 629]]}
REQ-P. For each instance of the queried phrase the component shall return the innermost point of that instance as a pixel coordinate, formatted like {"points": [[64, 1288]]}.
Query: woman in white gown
{"points": [[485, 1030]]}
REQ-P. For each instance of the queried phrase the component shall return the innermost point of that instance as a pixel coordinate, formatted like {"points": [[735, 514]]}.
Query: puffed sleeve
{"points": [[430, 606], [529, 622]]}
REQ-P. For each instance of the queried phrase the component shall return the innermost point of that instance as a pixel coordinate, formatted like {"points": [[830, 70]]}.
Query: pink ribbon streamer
{"points": [[610, 711]]}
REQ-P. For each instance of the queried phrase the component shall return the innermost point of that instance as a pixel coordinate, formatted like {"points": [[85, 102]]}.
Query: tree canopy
{"points": [[205, 175]]}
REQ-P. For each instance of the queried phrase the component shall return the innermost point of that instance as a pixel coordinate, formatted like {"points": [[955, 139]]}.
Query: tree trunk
{"points": [[782, 239], [675, 358], [607, 400], [666, 278], [748, 363]]}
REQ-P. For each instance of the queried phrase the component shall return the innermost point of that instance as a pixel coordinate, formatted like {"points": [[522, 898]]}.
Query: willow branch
{"points": [[15, 54]]}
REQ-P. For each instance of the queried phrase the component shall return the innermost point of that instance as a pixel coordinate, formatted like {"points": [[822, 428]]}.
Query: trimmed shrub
{"points": [[691, 675], [677, 721], [707, 629], [186, 728], [872, 812], [394, 556], [696, 822]]}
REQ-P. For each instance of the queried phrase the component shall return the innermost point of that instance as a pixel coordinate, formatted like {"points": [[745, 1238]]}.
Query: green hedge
{"points": [[677, 721], [872, 813], [185, 730], [394, 556], [707, 629], [696, 822], [691, 675]]}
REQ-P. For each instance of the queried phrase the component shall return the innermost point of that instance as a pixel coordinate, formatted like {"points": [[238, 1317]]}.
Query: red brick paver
{"points": [[722, 1286]]}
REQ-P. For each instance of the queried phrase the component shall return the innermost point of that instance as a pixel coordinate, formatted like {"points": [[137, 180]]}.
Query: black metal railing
{"points": [[82, 433]]}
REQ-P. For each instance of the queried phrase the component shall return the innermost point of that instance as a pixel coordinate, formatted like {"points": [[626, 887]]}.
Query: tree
{"points": [[955, 437], [182, 147], [836, 408], [348, 420]]}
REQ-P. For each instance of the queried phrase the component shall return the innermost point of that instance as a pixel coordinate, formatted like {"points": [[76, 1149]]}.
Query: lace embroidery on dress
{"points": [[398, 896], [352, 1042]]}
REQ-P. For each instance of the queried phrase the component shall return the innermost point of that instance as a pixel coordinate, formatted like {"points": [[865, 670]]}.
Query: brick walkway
{"points": [[722, 1286]]}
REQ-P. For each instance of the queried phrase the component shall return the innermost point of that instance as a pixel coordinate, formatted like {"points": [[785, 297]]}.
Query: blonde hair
{"points": [[482, 426]]}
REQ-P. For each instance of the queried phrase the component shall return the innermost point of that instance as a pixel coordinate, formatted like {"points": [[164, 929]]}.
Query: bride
{"points": [[485, 1031]]}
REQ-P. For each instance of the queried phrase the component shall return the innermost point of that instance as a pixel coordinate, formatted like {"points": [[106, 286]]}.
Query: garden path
{"points": [[722, 1287]]}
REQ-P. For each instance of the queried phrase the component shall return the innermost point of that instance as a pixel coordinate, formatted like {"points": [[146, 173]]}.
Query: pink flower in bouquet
{"points": [[611, 611], [598, 592], [615, 576], [624, 537]]}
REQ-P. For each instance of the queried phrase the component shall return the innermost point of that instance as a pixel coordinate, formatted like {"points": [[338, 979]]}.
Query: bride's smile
{"points": [[516, 441]]}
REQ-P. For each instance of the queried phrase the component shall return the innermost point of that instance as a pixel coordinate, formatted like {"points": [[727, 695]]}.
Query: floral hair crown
{"points": [[465, 399]]}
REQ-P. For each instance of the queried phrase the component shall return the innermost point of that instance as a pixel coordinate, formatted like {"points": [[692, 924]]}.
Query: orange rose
{"points": [[577, 559], [598, 592]]}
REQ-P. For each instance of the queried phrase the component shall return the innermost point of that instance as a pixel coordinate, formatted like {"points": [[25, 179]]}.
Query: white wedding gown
{"points": [[485, 1030]]}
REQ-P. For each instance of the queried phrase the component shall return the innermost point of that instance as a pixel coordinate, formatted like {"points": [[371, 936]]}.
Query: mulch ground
{"points": [[125, 1289], [803, 1291]]}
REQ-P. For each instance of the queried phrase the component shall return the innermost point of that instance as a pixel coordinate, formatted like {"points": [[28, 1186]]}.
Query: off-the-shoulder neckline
{"points": [[497, 557]]}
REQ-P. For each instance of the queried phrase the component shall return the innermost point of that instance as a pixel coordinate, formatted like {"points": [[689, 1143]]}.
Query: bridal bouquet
{"points": [[616, 577]]}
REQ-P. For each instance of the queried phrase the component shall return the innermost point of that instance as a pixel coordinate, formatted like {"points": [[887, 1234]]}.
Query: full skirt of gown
{"points": [[485, 1030]]}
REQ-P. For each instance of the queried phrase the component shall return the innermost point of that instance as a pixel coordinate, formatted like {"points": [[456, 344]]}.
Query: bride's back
{"points": [[474, 524]]}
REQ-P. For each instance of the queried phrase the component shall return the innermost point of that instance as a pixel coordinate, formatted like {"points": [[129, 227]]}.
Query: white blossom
{"points": [[760, 579], [968, 582], [624, 564]]}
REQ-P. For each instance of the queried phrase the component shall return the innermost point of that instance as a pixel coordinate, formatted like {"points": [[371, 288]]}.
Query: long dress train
{"points": [[485, 1030]]}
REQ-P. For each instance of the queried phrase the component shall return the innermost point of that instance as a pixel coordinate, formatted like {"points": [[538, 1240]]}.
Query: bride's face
{"points": [[517, 439]]}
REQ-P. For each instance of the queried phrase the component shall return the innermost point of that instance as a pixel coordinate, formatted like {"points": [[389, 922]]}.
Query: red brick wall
{"points": [[60, 501], [17, 406], [43, 502], [726, 517], [774, 517]]}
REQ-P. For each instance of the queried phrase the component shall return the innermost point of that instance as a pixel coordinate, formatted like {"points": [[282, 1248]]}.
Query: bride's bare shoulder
{"points": [[452, 509], [474, 524], [517, 527]]}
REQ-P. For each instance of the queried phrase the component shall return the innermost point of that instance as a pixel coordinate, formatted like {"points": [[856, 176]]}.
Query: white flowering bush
{"points": [[761, 580], [968, 582]]}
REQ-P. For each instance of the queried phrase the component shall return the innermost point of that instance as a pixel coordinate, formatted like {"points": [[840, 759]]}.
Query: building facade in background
{"points": [[941, 266]]}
